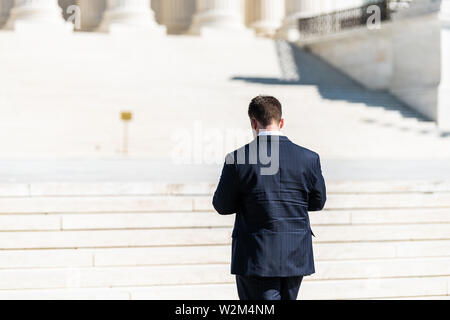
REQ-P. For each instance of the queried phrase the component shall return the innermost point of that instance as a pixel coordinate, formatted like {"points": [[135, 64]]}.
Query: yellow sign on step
{"points": [[126, 116]]}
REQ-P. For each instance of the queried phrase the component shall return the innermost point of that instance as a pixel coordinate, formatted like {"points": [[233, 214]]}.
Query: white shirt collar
{"points": [[270, 133]]}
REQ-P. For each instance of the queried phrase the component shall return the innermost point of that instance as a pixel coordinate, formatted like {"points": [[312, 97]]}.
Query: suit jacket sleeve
{"points": [[318, 193], [226, 197]]}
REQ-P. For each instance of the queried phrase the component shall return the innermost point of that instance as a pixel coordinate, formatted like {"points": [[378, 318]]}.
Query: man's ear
{"points": [[253, 123], [281, 124]]}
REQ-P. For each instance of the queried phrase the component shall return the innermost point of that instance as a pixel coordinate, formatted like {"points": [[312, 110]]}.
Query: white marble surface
{"points": [[62, 99]]}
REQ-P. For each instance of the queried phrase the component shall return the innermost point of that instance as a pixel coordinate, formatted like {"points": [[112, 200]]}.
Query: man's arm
{"points": [[318, 192], [226, 197]]}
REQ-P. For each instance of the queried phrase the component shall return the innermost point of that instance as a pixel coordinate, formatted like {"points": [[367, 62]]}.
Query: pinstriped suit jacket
{"points": [[272, 236]]}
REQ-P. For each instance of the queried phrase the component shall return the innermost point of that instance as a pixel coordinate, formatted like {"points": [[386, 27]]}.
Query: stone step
{"points": [[11, 259], [372, 201], [209, 236], [114, 238], [41, 222], [117, 189], [193, 292], [203, 203], [382, 268], [407, 288], [96, 204], [380, 216], [49, 189], [375, 288], [145, 220], [66, 294], [443, 297], [113, 277], [387, 186], [213, 254], [222, 254], [382, 233], [374, 250], [310, 290], [101, 277], [115, 221], [212, 219], [366, 201]]}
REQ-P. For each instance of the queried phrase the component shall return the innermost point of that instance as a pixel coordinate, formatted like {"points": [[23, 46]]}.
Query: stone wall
{"points": [[416, 65], [402, 57], [365, 57]]}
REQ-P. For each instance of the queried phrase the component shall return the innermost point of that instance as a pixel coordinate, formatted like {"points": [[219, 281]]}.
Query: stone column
{"points": [[250, 14], [65, 4], [265, 16], [91, 13], [294, 10], [177, 15], [5, 7], [157, 7], [32, 14], [218, 17], [129, 15], [443, 112]]}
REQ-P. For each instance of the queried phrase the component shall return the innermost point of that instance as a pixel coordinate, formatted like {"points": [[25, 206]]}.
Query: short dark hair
{"points": [[265, 109]]}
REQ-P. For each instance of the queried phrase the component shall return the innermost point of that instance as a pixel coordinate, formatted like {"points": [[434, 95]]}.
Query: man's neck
{"points": [[269, 132]]}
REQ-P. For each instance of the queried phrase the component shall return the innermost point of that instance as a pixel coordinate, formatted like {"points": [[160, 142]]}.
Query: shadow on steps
{"points": [[302, 68]]}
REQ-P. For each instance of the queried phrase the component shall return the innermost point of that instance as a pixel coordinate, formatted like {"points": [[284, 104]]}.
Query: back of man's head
{"points": [[266, 110]]}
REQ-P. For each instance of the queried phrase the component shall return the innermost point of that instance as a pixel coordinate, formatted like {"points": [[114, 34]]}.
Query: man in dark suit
{"points": [[270, 184]]}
